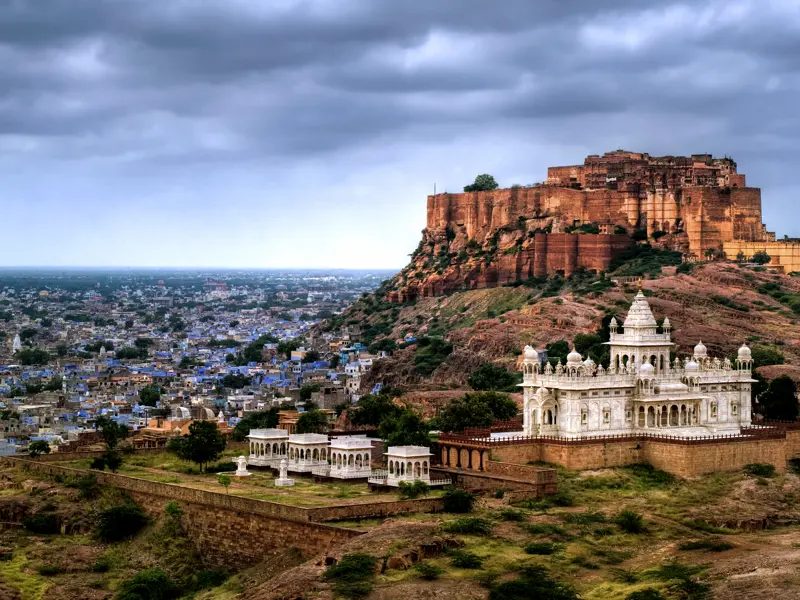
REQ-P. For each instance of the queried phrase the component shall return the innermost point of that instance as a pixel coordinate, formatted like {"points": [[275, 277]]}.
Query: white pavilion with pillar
{"points": [[306, 451], [268, 447], [350, 458]]}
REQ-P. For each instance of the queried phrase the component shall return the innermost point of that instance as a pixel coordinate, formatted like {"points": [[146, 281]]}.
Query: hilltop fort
{"points": [[584, 216]]}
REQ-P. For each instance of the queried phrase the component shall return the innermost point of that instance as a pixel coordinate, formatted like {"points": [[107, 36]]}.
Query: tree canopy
{"points": [[260, 420], [482, 183], [149, 395], [203, 444], [779, 401], [405, 428], [312, 421], [111, 432], [374, 408], [38, 448], [493, 377], [478, 409]]}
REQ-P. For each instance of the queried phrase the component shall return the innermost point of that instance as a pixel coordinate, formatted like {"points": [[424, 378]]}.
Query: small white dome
{"points": [[613, 322], [530, 353], [691, 366], [588, 362], [700, 350], [646, 370], [666, 322], [745, 353], [574, 358]]}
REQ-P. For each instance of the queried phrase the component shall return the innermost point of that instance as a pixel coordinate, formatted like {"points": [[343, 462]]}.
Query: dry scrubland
{"points": [[688, 539]]}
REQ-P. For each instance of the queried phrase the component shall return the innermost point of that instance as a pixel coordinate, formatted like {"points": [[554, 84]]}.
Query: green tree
{"points": [[32, 356], [110, 431], [312, 421], [780, 399], [383, 345], [404, 429], [37, 448], [149, 395], [202, 445], [55, 384], [371, 409], [761, 258], [286, 347], [493, 377], [482, 183], [143, 343], [335, 361], [307, 389], [236, 381], [311, 356], [224, 480], [261, 420], [764, 356], [477, 409]]}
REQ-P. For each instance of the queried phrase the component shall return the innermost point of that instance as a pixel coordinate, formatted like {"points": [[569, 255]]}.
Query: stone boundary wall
{"points": [[534, 474], [684, 460], [375, 509], [88, 454], [481, 480]]}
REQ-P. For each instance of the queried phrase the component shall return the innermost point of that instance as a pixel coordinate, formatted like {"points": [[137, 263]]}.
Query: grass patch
{"points": [[15, 574]]}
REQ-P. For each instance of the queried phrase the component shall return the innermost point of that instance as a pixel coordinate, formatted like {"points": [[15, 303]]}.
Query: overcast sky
{"points": [[283, 133]]}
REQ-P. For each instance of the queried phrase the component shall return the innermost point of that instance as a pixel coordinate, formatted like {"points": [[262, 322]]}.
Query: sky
{"points": [[308, 133]]}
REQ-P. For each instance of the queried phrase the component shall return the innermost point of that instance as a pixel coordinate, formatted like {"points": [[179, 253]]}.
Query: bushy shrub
{"points": [[430, 353], [512, 514], [469, 525], [541, 548], [101, 565], [583, 518], [630, 521], [120, 522], [43, 523], [352, 576], [710, 545], [534, 582], [428, 571], [87, 486], [409, 491], [98, 463], [150, 584], [464, 559], [760, 469], [457, 500], [50, 570]]}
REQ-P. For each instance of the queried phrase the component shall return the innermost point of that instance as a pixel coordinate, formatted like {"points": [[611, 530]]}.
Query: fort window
{"points": [[713, 410], [584, 417], [734, 409], [606, 416]]}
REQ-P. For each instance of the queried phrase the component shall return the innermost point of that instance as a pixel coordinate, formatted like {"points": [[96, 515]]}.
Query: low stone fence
{"points": [[379, 509]]}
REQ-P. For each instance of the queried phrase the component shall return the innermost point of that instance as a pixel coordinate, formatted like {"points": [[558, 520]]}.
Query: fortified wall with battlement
{"points": [[473, 240]]}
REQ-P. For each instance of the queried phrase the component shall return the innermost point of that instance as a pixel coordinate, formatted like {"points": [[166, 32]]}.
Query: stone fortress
{"points": [[641, 391], [697, 204]]}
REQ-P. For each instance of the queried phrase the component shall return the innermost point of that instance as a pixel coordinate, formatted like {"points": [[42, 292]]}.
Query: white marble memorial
{"points": [[241, 468], [283, 479]]}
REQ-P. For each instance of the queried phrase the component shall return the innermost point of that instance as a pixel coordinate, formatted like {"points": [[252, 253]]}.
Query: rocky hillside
{"points": [[722, 304]]}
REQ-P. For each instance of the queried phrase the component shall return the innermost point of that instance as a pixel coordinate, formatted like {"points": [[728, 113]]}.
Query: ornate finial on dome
{"points": [[700, 351], [640, 282], [574, 358]]}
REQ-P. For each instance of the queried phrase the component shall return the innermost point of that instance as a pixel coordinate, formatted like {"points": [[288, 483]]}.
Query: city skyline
{"points": [[307, 135]]}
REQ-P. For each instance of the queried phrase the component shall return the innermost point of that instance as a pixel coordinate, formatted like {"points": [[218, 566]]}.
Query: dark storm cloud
{"points": [[189, 80]]}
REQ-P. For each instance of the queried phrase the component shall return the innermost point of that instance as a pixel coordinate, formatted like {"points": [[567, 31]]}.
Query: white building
{"points": [[350, 458], [406, 464], [306, 451], [641, 391], [268, 447]]}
